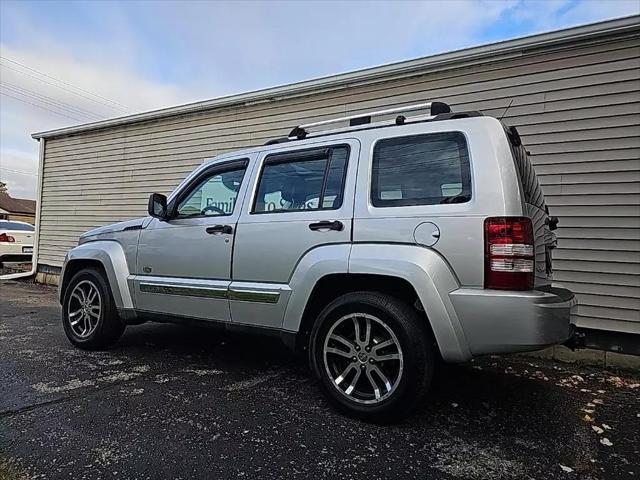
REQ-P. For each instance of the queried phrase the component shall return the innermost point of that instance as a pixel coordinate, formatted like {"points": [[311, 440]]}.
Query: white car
{"points": [[16, 241]]}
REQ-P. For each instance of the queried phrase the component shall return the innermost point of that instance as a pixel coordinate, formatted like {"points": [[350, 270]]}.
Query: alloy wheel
{"points": [[84, 308], [363, 358]]}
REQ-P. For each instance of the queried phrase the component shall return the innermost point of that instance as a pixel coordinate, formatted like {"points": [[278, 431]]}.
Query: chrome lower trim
{"points": [[183, 290], [254, 296]]}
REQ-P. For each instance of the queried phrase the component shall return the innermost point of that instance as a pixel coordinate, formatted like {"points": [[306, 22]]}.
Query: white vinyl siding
{"points": [[576, 106]]}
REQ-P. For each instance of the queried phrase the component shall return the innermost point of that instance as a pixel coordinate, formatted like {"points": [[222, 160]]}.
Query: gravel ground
{"points": [[175, 402], [9, 268]]}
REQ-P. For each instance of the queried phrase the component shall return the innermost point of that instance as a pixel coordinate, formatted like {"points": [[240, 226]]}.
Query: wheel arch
{"points": [[417, 275], [107, 256], [333, 285], [74, 266]]}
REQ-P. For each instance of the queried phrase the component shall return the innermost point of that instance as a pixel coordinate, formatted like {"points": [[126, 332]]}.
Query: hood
{"points": [[135, 224]]}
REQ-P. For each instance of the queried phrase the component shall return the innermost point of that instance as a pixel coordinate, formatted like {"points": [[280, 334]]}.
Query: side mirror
{"points": [[158, 206]]}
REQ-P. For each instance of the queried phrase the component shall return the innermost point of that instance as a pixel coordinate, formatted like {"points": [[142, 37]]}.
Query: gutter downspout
{"points": [[34, 258]]}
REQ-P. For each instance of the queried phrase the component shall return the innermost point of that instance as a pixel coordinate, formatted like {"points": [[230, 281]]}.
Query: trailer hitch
{"points": [[576, 340]]}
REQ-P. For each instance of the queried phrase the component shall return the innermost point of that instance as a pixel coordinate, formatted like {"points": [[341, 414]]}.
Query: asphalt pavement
{"points": [[184, 403]]}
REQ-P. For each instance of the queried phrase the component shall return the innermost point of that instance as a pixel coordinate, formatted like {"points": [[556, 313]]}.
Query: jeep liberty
{"points": [[377, 248]]}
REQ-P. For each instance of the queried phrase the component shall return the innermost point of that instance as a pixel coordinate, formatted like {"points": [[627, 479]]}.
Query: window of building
{"points": [[421, 170]]}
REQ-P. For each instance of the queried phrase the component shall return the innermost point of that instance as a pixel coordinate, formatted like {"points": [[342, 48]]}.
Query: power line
{"points": [[75, 90], [122, 107], [19, 171], [39, 103], [40, 106], [50, 101], [31, 93]]}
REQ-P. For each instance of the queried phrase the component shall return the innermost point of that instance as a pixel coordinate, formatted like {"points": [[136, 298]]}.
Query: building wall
{"points": [[5, 215], [576, 106], [22, 218]]}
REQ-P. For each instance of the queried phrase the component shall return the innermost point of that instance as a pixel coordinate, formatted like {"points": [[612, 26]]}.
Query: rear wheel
{"points": [[373, 356], [89, 314]]}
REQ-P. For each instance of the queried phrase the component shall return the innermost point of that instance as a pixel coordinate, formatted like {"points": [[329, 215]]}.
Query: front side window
{"points": [[213, 195], [425, 169], [304, 180]]}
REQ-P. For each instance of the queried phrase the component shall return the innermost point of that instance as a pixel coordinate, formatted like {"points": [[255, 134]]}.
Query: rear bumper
{"points": [[495, 321]]}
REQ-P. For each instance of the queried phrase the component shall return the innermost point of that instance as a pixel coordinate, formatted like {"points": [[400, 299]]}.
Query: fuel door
{"points": [[426, 234]]}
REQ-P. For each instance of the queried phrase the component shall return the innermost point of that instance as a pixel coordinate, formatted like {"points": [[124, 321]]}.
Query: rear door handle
{"points": [[227, 229], [327, 225]]}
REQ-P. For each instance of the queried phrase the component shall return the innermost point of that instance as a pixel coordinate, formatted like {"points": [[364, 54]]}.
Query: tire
{"points": [[408, 361], [92, 328]]}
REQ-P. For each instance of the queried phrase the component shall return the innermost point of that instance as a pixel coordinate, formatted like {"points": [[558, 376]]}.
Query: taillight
{"points": [[6, 238], [509, 253]]}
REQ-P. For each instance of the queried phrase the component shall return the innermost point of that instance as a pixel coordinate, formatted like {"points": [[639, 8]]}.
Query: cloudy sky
{"points": [[66, 63]]}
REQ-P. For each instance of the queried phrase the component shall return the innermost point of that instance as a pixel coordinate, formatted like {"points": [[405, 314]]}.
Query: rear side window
{"points": [[425, 169], [302, 180]]}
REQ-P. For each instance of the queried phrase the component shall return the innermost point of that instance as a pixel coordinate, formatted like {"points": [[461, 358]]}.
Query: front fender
{"points": [[112, 257], [432, 279]]}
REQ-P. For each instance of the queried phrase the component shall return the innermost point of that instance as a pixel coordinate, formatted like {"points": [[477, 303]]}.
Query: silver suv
{"points": [[378, 248]]}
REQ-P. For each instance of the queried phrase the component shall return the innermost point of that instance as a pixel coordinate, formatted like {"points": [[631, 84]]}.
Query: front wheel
{"points": [[373, 355], [89, 315]]}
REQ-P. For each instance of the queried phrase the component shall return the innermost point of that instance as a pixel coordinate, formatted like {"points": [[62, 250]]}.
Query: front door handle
{"points": [[327, 225], [216, 229]]}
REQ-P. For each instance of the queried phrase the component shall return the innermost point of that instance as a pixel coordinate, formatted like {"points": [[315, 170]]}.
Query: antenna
{"points": [[506, 110]]}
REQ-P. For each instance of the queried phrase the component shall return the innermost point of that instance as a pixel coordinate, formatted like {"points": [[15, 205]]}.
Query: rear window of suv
{"points": [[424, 169]]}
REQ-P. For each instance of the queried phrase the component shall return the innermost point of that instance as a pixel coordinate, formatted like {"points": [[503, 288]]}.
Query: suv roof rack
{"points": [[435, 108]]}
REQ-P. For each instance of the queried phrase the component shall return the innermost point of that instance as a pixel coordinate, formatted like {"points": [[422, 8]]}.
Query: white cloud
{"points": [[545, 15], [18, 173], [248, 45], [19, 118], [111, 80]]}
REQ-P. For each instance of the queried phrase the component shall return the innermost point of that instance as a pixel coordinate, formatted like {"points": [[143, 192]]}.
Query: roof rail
{"points": [[435, 108]]}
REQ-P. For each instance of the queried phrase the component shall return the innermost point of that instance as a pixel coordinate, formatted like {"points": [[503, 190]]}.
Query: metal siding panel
{"points": [[606, 323], [596, 256], [609, 301], [603, 267]]}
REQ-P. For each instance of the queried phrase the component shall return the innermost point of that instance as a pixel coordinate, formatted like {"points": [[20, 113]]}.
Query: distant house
{"points": [[17, 209]]}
